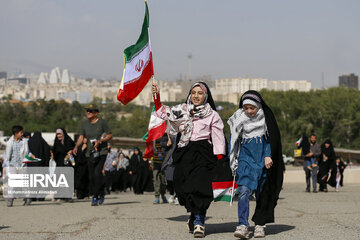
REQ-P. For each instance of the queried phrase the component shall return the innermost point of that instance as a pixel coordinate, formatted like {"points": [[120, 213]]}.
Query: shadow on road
{"points": [[183, 218], [118, 203], [230, 227], [278, 228], [3, 227]]}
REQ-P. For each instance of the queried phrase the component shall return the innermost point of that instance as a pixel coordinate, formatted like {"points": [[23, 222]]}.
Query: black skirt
{"points": [[193, 175]]}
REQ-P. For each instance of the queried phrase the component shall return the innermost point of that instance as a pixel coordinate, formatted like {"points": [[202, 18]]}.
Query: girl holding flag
{"points": [[256, 161], [200, 139]]}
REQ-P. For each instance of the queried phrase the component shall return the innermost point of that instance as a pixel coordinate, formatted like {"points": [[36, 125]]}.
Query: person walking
{"points": [[201, 142], [168, 167], [109, 169], [315, 153], [97, 133], [138, 169], [122, 173], [256, 161], [63, 152], [16, 150], [327, 159], [158, 174]]}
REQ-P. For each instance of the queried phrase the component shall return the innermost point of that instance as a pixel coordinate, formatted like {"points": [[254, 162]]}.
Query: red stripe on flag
{"points": [[223, 185], [157, 132], [149, 152], [131, 90]]}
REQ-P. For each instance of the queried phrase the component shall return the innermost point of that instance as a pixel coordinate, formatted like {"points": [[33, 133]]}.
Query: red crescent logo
{"points": [[139, 65]]}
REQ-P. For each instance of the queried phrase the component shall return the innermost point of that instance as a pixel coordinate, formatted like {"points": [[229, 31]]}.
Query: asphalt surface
{"points": [[299, 215]]}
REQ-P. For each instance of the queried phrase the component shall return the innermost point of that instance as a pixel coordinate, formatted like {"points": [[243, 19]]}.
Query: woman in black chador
{"points": [[39, 147], [63, 146], [139, 171], [326, 160], [81, 174]]}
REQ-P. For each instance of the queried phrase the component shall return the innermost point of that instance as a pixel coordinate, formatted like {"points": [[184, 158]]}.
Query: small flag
{"points": [[223, 191], [298, 142], [29, 159], [223, 185], [138, 65], [156, 129]]}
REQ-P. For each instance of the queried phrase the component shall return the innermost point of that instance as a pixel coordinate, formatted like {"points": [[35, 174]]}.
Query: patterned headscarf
{"points": [[181, 116]]}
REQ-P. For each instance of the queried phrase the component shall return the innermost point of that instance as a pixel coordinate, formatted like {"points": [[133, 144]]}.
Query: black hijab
{"points": [[68, 142], [329, 152], [60, 150], [39, 147], [267, 200]]}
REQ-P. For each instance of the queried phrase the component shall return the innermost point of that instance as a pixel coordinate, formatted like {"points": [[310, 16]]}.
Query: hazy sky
{"points": [[274, 39]]}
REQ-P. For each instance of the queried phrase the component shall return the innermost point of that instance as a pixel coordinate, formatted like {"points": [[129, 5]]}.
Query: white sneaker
{"points": [[242, 231], [259, 231], [199, 231], [176, 201], [171, 199]]}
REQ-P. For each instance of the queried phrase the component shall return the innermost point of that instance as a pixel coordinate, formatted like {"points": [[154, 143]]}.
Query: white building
{"points": [[240, 85], [302, 85], [55, 76], [65, 78], [43, 78]]}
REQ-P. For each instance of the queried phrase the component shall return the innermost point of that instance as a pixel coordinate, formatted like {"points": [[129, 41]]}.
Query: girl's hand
{"points": [[169, 143], [155, 89], [268, 162]]}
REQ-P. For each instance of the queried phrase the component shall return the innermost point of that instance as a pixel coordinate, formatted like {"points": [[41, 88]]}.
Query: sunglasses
{"points": [[91, 111]]}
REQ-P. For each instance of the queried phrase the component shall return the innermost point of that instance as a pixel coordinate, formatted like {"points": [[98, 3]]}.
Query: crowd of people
{"points": [[185, 159], [98, 170], [321, 165]]}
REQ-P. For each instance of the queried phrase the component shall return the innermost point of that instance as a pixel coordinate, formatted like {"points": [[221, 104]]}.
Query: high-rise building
{"points": [[43, 78], [55, 76], [65, 78], [349, 81]]}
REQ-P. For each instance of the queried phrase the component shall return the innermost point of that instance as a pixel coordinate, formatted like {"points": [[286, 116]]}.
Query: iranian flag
{"points": [[224, 191], [138, 65], [29, 159], [156, 130], [223, 184]]}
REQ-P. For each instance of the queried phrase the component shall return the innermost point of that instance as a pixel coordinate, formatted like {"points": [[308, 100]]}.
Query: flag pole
{"points": [[154, 83], [232, 192]]}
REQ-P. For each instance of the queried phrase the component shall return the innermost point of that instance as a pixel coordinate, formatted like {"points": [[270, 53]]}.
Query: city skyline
{"points": [[276, 39]]}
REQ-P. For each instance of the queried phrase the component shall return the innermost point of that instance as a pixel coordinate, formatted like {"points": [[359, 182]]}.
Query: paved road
{"points": [[299, 215]]}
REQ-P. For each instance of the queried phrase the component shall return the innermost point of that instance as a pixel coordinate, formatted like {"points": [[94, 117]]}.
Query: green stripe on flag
{"points": [[133, 50], [225, 198]]}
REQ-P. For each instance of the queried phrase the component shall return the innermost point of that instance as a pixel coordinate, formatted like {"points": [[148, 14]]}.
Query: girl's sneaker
{"points": [[242, 231], [156, 201], [199, 231], [171, 199], [259, 231]]}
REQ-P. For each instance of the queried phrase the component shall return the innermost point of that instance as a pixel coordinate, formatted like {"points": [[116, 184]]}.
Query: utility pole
{"points": [[189, 65]]}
